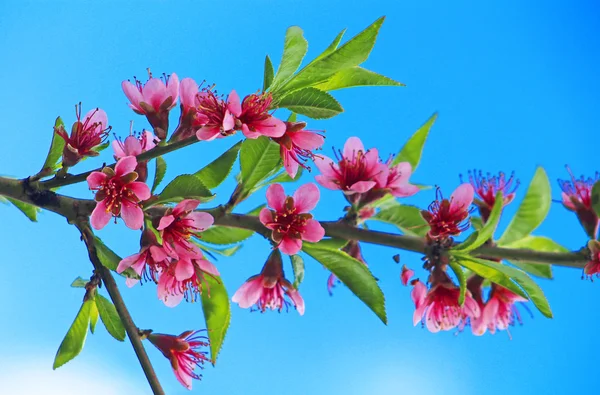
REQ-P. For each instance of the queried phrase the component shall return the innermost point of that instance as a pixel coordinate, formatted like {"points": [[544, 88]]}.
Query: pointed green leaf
{"points": [[111, 260], [268, 73], [56, 149], [537, 243], [476, 223], [186, 186], [333, 243], [462, 280], [101, 147], [258, 158], [223, 235], [534, 292], [74, 340], [532, 211], [94, 314], [293, 117], [596, 198], [217, 313], [354, 274], [477, 238], [537, 269], [413, 149], [353, 77], [149, 226], [229, 251], [79, 283], [489, 273], [298, 267], [311, 102], [217, 171], [351, 54], [294, 49], [29, 210], [406, 218], [110, 318], [332, 47], [159, 172]]}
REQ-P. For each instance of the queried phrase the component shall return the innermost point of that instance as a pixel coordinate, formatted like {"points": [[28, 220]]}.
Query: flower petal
{"points": [[100, 215], [127, 262], [270, 126], [297, 299], [265, 216], [306, 198], [133, 94], [207, 267], [233, 103], [249, 293], [133, 147], [184, 269], [307, 140], [132, 214], [96, 179], [188, 89], [313, 231], [362, 186], [276, 197], [118, 148], [140, 190], [352, 147], [290, 246], [184, 206], [462, 197], [201, 221], [125, 166]]}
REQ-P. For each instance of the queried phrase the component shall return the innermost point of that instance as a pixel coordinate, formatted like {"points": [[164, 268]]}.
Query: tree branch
{"points": [[115, 296]]}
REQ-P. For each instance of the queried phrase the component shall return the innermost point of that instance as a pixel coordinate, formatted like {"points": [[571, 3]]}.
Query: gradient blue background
{"points": [[516, 85]]}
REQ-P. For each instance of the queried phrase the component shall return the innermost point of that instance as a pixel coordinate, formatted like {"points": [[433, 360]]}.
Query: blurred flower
{"points": [[134, 146], [446, 217], [593, 266]]}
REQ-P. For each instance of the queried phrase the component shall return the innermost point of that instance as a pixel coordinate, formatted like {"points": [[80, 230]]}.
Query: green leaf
{"points": [[462, 280], [229, 251], [159, 173], [268, 73], [258, 158], [537, 269], [332, 47], [537, 243], [101, 147], [294, 49], [532, 211], [56, 149], [293, 117], [94, 314], [298, 267], [111, 260], [223, 235], [74, 340], [110, 318], [279, 178], [217, 171], [311, 102], [148, 225], [477, 238], [596, 198], [355, 76], [406, 218], [79, 283], [29, 210], [489, 273], [354, 274], [534, 292], [351, 54], [333, 243], [186, 186], [217, 313], [413, 149], [477, 223]]}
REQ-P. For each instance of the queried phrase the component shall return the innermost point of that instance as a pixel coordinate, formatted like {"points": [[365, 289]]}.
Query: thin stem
{"points": [[115, 296], [145, 156]]}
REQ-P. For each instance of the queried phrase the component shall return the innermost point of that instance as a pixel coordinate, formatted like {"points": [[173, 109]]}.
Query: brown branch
{"points": [[115, 296]]}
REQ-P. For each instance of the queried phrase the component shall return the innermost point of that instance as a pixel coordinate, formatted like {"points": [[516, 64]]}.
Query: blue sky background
{"points": [[516, 86]]}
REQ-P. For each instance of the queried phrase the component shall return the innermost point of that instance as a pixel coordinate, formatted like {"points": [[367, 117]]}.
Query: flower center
{"points": [[288, 222]]}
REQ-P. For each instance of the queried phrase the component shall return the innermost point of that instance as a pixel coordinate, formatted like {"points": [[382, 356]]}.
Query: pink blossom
{"points": [[577, 196], [185, 278], [134, 146], [178, 225], [593, 265], [85, 136], [269, 289], [253, 115], [396, 181], [183, 353], [438, 308], [154, 99], [357, 170], [289, 220], [297, 145], [150, 261], [214, 116], [487, 187], [500, 311], [446, 217], [406, 275], [118, 194]]}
